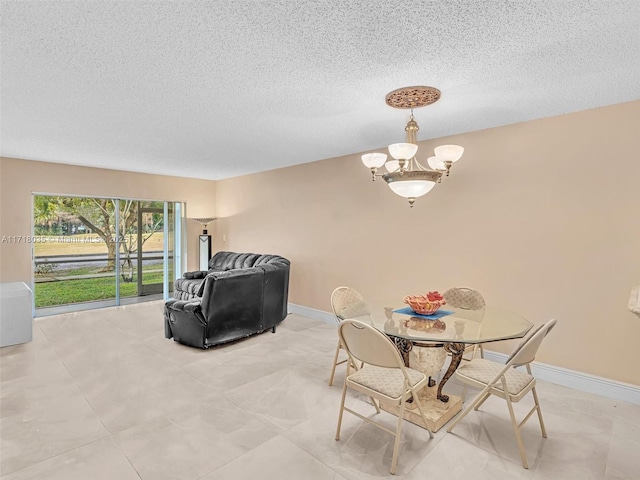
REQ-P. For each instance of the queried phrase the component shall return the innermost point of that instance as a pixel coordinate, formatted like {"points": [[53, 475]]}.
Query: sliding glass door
{"points": [[94, 252]]}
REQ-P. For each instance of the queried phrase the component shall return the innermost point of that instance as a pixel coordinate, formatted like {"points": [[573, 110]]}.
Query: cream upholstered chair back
{"points": [[369, 345], [473, 302], [348, 303], [462, 297], [525, 353]]}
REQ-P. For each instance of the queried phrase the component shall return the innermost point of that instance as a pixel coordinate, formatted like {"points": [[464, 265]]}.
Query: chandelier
{"points": [[406, 176]]}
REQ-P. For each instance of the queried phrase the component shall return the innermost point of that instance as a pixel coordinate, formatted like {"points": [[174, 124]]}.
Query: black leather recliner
{"points": [[241, 294]]}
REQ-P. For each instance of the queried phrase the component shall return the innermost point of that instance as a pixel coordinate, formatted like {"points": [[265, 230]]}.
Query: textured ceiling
{"points": [[218, 89]]}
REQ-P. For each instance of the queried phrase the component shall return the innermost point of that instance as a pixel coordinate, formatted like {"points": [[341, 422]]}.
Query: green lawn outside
{"points": [[92, 270], [86, 290]]}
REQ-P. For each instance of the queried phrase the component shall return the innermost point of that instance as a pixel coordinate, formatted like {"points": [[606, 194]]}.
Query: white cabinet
{"points": [[16, 322]]}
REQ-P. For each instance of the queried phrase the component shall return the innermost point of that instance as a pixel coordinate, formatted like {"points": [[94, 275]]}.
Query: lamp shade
{"points": [[403, 151], [392, 165], [411, 188], [436, 163], [449, 153], [374, 160], [205, 221]]}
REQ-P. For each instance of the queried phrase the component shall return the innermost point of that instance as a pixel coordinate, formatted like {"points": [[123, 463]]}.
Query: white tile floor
{"points": [[103, 395]]}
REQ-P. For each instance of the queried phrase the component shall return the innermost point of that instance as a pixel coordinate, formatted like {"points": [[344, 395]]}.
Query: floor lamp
{"points": [[204, 243]]}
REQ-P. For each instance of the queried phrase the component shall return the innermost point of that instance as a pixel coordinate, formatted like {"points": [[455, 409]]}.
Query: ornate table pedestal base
{"points": [[429, 359], [438, 413]]}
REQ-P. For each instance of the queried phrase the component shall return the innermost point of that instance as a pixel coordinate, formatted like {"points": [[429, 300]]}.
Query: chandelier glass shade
{"points": [[374, 160], [406, 176], [409, 186], [403, 151]]}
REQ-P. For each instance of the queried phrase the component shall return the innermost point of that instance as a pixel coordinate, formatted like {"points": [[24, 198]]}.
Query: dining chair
{"points": [[346, 303], [506, 382], [472, 300], [467, 299], [383, 376]]}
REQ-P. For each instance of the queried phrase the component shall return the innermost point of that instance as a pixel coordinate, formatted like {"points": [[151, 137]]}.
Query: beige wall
{"points": [[541, 217], [20, 178]]}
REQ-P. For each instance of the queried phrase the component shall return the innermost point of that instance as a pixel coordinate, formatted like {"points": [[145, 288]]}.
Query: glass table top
{"points": [[488, 324]]}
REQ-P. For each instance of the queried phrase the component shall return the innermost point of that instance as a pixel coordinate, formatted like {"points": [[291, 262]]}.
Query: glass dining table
{"points": [[451, 329]]}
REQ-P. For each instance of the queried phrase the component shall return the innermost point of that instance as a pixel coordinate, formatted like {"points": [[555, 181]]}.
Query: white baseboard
{"points": [[578, 380], [542, 371], [308, 312]]}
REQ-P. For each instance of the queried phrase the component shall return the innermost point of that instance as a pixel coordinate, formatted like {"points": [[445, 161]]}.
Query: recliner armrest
{"points": [[195, 275], [191, 306]]}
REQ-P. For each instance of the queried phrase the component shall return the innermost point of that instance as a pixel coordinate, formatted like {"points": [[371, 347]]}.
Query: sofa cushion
{"points": [[265, 259], [222, 261], [187, 288], [245, 260]]}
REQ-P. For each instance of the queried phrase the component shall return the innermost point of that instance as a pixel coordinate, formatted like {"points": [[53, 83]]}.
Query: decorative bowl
{"points": [[425, 304], [425, 325]]}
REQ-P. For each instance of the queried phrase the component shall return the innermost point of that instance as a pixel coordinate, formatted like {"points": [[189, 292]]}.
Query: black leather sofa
{"points": [[241, 294]]}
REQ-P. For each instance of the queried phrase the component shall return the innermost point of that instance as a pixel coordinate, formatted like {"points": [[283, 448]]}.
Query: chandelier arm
{"points": [[419, 166]]}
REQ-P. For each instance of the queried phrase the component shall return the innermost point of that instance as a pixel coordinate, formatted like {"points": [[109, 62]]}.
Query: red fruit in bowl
{"points": [[434, 296]]}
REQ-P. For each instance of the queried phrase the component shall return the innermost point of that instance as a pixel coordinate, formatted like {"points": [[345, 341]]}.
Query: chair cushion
{"points": [[484, 371], [388, 381]]}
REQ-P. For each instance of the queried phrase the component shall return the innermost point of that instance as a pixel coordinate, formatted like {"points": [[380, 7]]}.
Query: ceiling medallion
{"points": [[412, 97], [406, 176]]}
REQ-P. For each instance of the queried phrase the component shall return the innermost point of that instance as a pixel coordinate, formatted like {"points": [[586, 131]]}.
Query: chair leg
{"points": [[422, 412], [479, 404], [516, 429], [471, 406], [396, 444], [344, 396], [335, 363], [537, 402], [535, 399], [375, 404]]}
